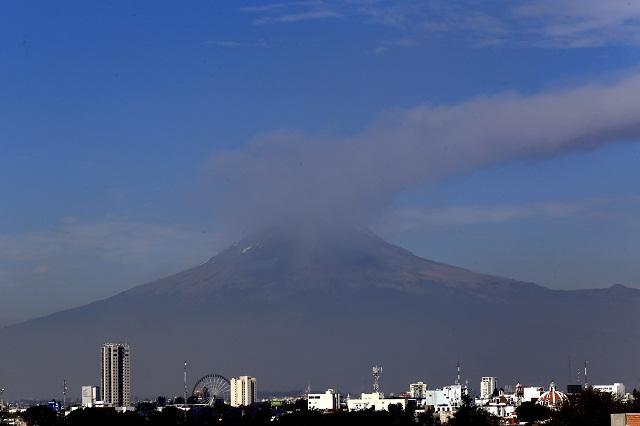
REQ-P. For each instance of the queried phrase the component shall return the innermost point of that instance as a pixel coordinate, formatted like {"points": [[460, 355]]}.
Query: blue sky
{"points": [[112, 113]]}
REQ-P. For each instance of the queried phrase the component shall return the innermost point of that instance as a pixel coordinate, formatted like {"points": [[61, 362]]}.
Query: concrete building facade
{"points": [[375, 401], [418, 390], [328, 401], [116, 374], [487, 386], [449, 398], [625, 419], [243, 391], [90, 395], [616, 389]]}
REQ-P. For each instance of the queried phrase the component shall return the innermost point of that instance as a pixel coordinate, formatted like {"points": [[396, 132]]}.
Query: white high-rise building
{"points": [[487, 386], [116, 374], [243, 391], [90, 394]]}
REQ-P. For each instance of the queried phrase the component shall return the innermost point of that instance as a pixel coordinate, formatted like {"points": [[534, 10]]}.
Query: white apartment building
{"points": [[328, 401], [487, 386], [447, 399], [90, 394], [243, 391], [531, 393], [418, 390], [375, 400], [616, 389], [116, 374]]}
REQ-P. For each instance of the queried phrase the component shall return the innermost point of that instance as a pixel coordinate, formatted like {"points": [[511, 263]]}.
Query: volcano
{"points": [[320, 307]]}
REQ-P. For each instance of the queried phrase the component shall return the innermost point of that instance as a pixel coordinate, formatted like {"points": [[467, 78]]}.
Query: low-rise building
{"points": [[625, 419], [90, 394], [328, 401], [447, 399], [530, 393], [375, 401], [502, 405], [616, 389], [500, 409]]}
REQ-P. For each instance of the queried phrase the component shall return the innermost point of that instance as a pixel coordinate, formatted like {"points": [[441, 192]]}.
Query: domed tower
{"points": [[552, 398]]}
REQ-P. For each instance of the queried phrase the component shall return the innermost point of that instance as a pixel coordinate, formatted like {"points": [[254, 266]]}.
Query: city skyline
{"points": [[287, 193]]}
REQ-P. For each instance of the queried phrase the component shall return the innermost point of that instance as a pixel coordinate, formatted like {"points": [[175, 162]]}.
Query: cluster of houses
{"points": [[445, 401]]}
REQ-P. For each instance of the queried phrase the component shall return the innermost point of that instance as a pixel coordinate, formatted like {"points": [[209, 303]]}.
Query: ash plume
{"points": [[288, 177]]}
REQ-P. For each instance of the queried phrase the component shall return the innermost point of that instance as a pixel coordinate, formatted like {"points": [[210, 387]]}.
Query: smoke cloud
{"points": [[290, 177]]}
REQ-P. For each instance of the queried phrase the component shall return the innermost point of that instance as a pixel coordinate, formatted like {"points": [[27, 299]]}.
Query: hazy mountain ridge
{"points": [[316, 306], [357, 260]]}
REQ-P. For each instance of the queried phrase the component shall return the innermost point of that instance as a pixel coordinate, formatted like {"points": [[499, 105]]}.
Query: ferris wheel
{"points": [[212, 388]]}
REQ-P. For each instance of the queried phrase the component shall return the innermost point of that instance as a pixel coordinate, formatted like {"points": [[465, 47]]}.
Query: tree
{"points": [[532, 412], [170, 416], [588, 408], [144, 407], [40, 415], [470, 415], [427, 418]]}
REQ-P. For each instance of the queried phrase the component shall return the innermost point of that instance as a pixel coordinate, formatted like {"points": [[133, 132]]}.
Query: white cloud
{"points": [[288, 176], [386, 45], [236, 43], [291, 12], [121, 241], [583, 23], [556, 23], [401, 219]]}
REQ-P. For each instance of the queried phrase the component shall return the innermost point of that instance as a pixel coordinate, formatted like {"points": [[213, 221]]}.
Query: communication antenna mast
{"points": [[1, 402], [185, 382], [64, 393], [184, 406], [377, 372], [457, 382], [586, 376]]}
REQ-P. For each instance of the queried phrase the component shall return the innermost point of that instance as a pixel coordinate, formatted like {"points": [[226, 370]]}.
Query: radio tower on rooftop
{"points": [[377, 372]]}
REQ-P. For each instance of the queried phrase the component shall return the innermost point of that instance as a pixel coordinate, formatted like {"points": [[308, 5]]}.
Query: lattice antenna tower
{"points": [[458, 370], [586, 376], [377, 373], [185, 382]]}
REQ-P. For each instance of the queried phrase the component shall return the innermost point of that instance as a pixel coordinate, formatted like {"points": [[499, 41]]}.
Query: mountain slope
{"points": [[296, 307], [278, 262]]}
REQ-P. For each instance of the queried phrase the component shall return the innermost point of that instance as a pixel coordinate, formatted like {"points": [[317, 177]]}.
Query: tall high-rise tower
{"points": [[243, 391], [116, 374]]}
